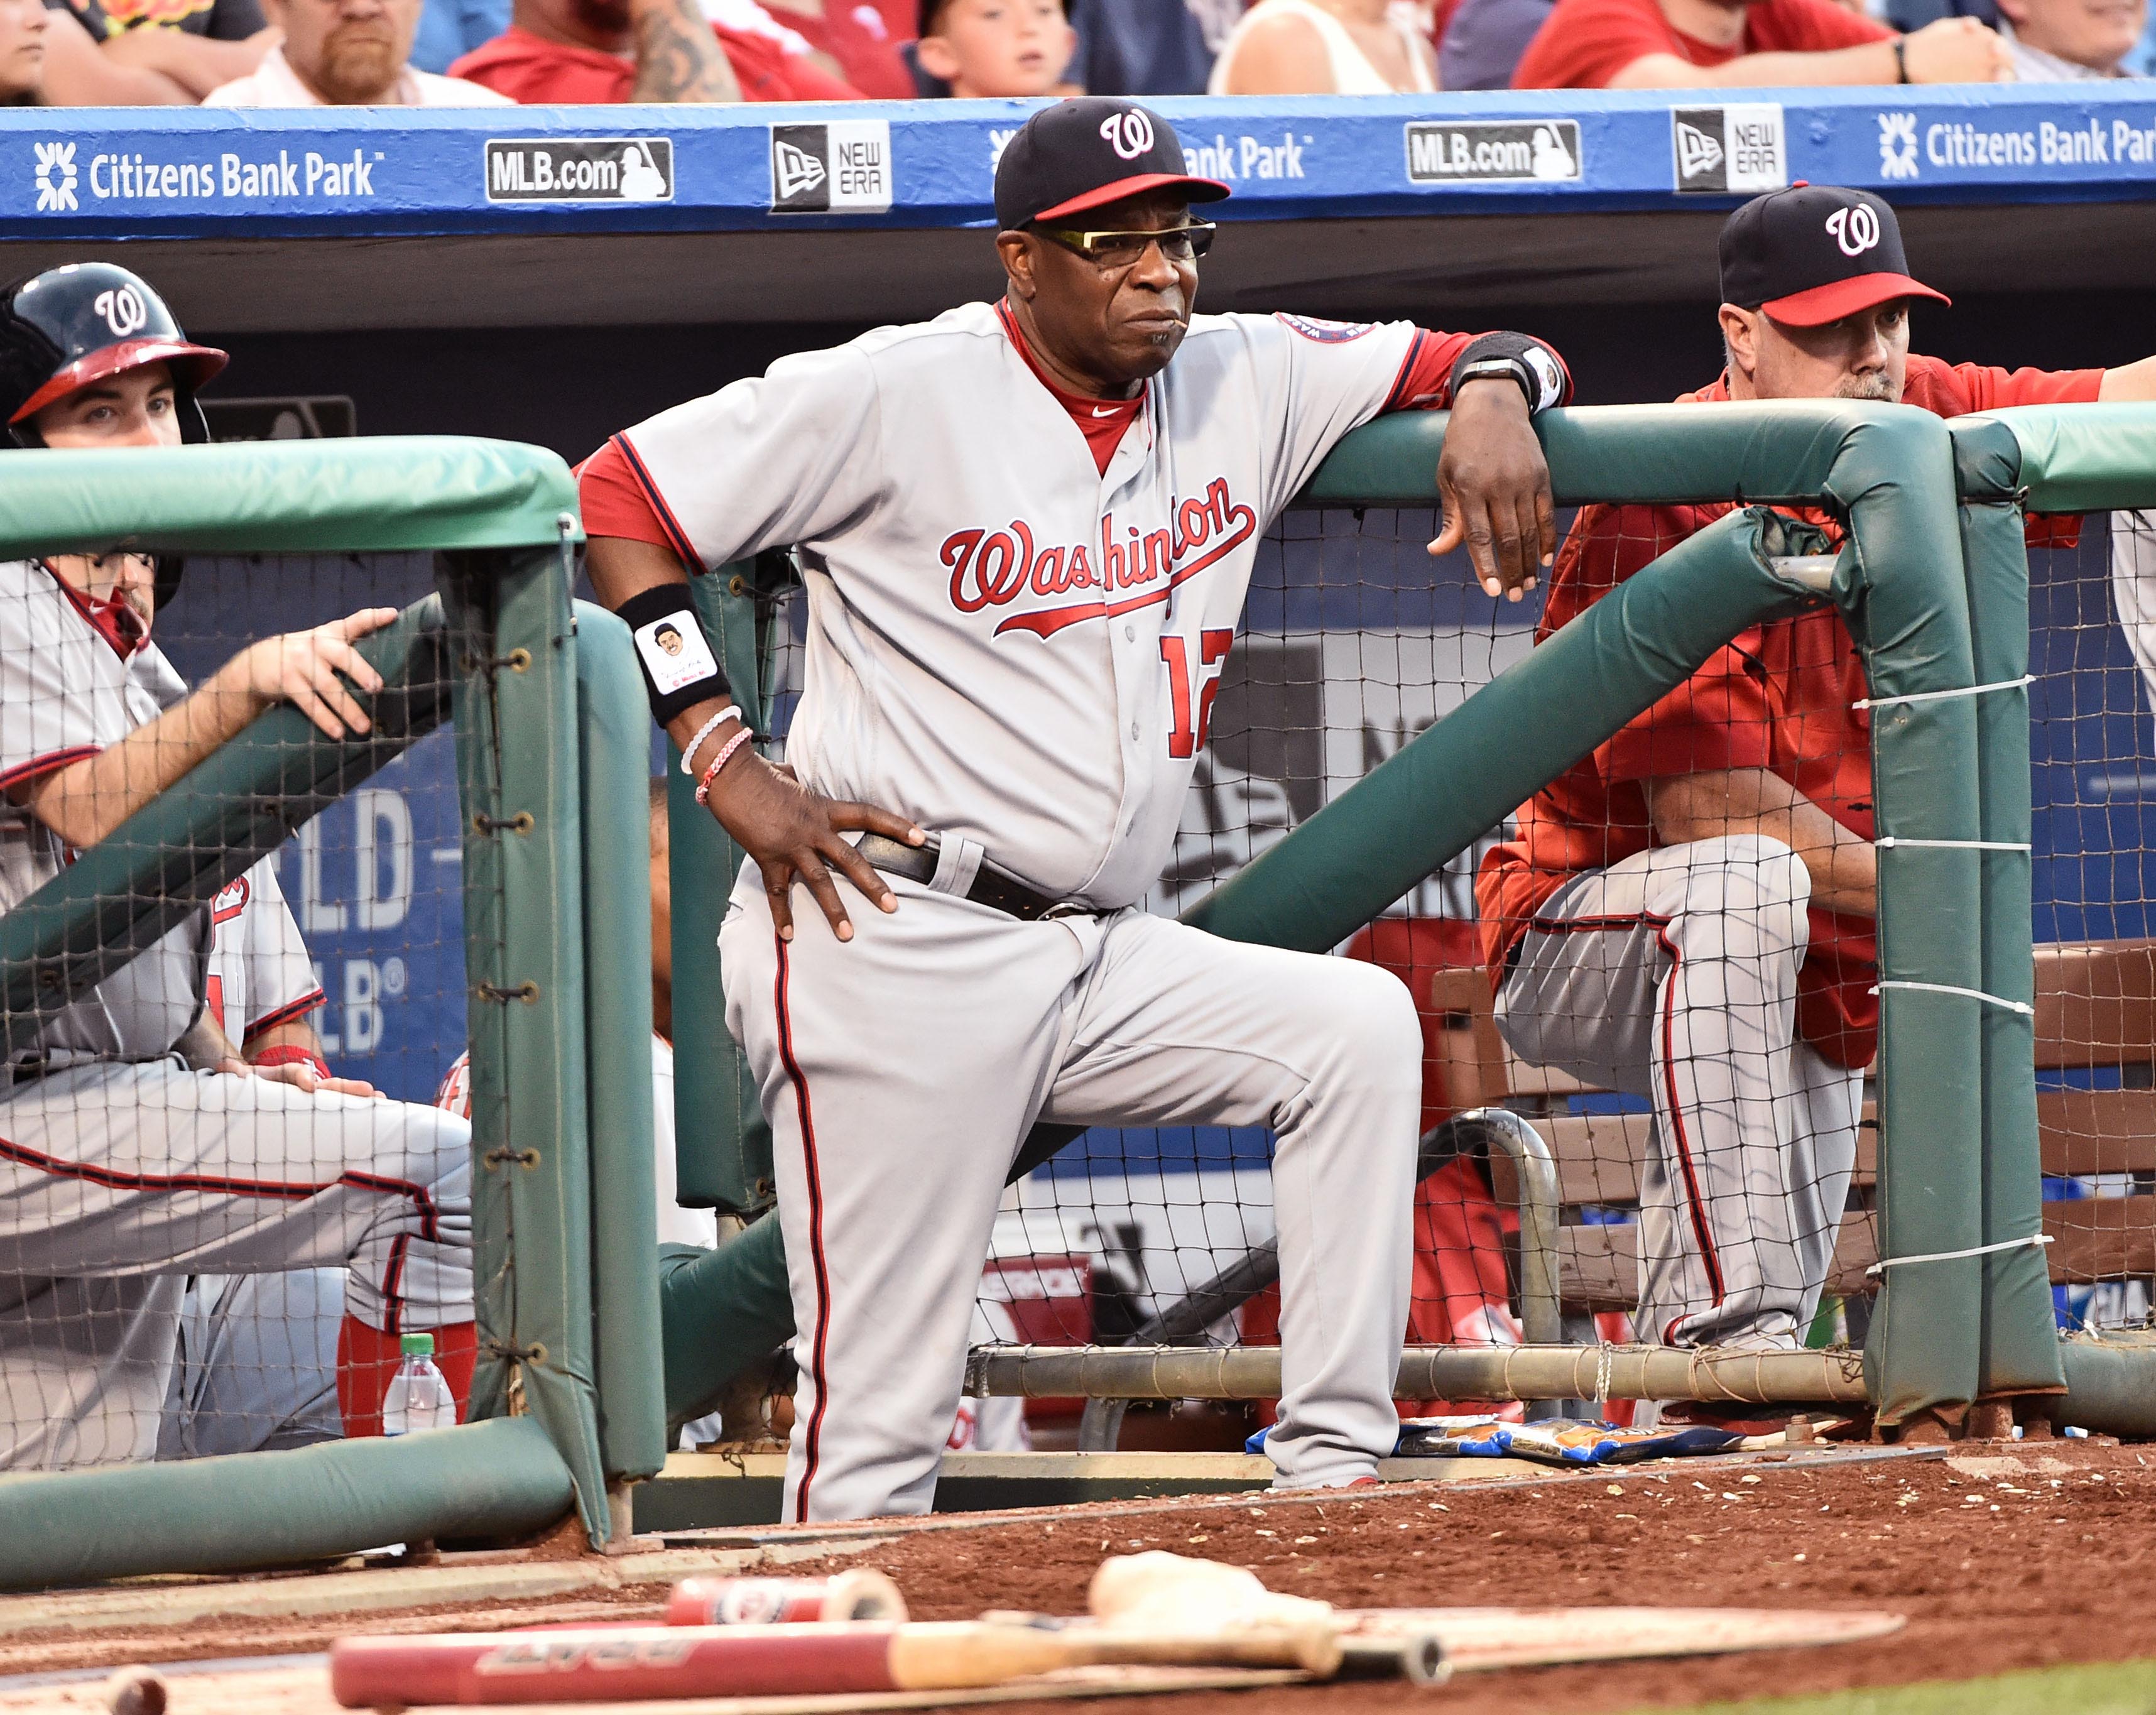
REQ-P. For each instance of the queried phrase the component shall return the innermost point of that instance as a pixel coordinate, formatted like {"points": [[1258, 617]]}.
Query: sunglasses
{"points": [[1122, 250]]}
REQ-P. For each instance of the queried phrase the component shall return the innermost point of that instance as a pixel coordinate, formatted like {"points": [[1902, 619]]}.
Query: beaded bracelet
{"points": [[731, 712], [719, 762]]}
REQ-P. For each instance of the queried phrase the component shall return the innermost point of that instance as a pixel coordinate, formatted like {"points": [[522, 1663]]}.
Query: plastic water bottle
{"points": [[419, 1396]]}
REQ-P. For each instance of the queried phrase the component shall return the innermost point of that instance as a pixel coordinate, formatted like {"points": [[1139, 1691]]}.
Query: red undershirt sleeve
{"points": [[1424, 383], [613, 502]]}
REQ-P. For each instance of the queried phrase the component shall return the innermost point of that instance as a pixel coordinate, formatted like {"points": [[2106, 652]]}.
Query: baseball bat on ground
{"points": [[623, 1664], [859, 1595]]}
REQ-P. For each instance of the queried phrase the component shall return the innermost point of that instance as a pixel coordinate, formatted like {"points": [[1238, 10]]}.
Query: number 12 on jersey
{"points": [[1189, 685]]}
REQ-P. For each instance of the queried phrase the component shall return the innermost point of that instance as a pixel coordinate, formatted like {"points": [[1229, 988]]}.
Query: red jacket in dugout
{"points": [[1777, 696]]}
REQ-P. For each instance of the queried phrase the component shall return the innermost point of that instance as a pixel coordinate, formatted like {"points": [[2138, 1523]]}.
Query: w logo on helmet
{"points": [[1855, 228], [123, 310], [1129, 133]]}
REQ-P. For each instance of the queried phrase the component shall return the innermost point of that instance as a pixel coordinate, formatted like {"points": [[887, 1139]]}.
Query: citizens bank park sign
{"points": [[352, 172]]}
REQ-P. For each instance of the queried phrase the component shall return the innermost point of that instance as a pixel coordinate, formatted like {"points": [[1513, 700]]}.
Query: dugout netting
{"points": [[2092, 602], [186, 1236], [1940, 1230]]}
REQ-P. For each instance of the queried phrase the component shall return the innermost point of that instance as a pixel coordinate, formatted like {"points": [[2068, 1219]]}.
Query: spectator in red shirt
{"points": [[1688, 914], [580, 52], [856, 37], [1675, 44]]}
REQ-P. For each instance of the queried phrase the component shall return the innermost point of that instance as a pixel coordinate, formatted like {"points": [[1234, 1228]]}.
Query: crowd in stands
{"points": [[478, 52]]}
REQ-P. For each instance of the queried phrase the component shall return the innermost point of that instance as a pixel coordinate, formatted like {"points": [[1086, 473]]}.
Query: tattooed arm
{"points": [[678, 59]]}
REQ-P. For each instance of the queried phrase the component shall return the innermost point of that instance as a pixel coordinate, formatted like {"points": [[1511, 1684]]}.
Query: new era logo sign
{"points": [[838, 168], [1720, 150], [1698, 154], [796, 175]]}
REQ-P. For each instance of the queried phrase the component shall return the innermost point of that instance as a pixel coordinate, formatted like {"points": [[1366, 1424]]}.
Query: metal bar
{"points": [[1542, 1313], [1428, 1372], [1185, 1322]]}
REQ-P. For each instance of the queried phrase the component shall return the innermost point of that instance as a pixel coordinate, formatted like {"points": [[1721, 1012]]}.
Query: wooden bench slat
{"points": [[2102, 1238], [2097, 1131], [1597, 1157], [1599, 1267], [2093, 1239], [2096, 1003]]}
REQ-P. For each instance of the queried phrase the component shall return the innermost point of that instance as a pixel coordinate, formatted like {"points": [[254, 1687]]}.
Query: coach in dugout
{"points": [[139, 1146], [1027, 530], [1688, 914]]}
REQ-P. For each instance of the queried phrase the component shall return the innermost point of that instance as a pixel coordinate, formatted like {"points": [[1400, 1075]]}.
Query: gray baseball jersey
{"points": [[69, 693], [1018, 649], [260, 974]]}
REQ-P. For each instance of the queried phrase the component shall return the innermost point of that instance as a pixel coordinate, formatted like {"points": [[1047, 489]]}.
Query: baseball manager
{"points": [[1027, 529]]}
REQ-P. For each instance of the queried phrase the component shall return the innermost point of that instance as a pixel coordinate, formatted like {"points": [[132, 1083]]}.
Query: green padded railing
{"points": [[395, 494], [2033, 459], [1888, 471]]}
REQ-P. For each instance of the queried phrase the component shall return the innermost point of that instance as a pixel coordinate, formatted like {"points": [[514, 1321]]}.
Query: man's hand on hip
{"points": [[792, 831], [1494, 485]]}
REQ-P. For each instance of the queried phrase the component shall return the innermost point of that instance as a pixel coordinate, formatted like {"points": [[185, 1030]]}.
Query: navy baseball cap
{"points": [[1814, 254], [1080, 154]]}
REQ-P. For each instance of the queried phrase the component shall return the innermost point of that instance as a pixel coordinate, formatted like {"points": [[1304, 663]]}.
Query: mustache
{"points": [[1877, 387]]}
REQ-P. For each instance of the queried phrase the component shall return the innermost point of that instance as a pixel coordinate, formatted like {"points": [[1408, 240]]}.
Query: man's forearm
{"points": [[205, 1046], [2130, 383], [621, 568], [86, 800], [196, 64], [1868, 62], [678, 59], [293, 1033], [1843, 867]]}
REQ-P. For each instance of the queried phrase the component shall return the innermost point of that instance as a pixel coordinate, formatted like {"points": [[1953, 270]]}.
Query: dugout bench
{"points": [[2095, 1019]]}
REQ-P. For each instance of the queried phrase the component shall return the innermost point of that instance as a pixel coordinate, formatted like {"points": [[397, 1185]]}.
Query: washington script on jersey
{"points": [[993, 569]]}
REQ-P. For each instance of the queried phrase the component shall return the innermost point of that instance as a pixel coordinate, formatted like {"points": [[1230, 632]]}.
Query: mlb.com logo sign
{"points": [[841, 167]]}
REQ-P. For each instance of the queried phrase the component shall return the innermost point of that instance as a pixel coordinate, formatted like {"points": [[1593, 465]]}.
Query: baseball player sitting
{"points": [[139, 1146], [1688, 915], [1027, 528]]}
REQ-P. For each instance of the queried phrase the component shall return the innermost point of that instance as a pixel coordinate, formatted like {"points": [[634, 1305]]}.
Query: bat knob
{"points": [[1418, 1658], [1423, 1660]]}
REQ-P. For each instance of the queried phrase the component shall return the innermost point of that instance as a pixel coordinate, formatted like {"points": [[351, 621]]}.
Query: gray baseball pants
{"points": [[119, 1181], [900, 1071], [1673, 975]]}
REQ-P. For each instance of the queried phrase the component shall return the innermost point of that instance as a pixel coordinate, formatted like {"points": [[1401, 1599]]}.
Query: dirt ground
{"points": [[2001, 1557]]}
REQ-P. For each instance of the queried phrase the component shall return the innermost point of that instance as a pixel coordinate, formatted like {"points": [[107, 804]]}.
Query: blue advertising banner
{"points": [[175, 173]]}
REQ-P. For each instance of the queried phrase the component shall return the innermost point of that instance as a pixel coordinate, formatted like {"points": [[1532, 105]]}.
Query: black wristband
{"points": [[680, 669], [1900, 62], [1538, 370]]}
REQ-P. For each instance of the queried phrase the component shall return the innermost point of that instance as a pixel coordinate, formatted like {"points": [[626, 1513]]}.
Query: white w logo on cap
{"points": [[123, 310], [1854, 228], [1129, 133]]}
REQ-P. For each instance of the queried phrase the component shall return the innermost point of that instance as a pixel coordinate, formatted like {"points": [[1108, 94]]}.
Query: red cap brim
{"points": [[193, 366], [1838, 298], [1199, 190]]}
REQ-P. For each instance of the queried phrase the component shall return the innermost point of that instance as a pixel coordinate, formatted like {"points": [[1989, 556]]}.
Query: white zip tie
{"points": [[2033, 1239], [1890, 842], [1929, 696], [1602, 1376], [1966, 994]]}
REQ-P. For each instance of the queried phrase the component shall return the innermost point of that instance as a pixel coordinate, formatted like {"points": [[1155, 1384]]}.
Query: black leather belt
{"points": [[997, 889]]}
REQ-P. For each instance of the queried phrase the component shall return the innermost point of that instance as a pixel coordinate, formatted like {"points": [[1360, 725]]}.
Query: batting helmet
{"points": [[68, 326], [73, 325]]}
